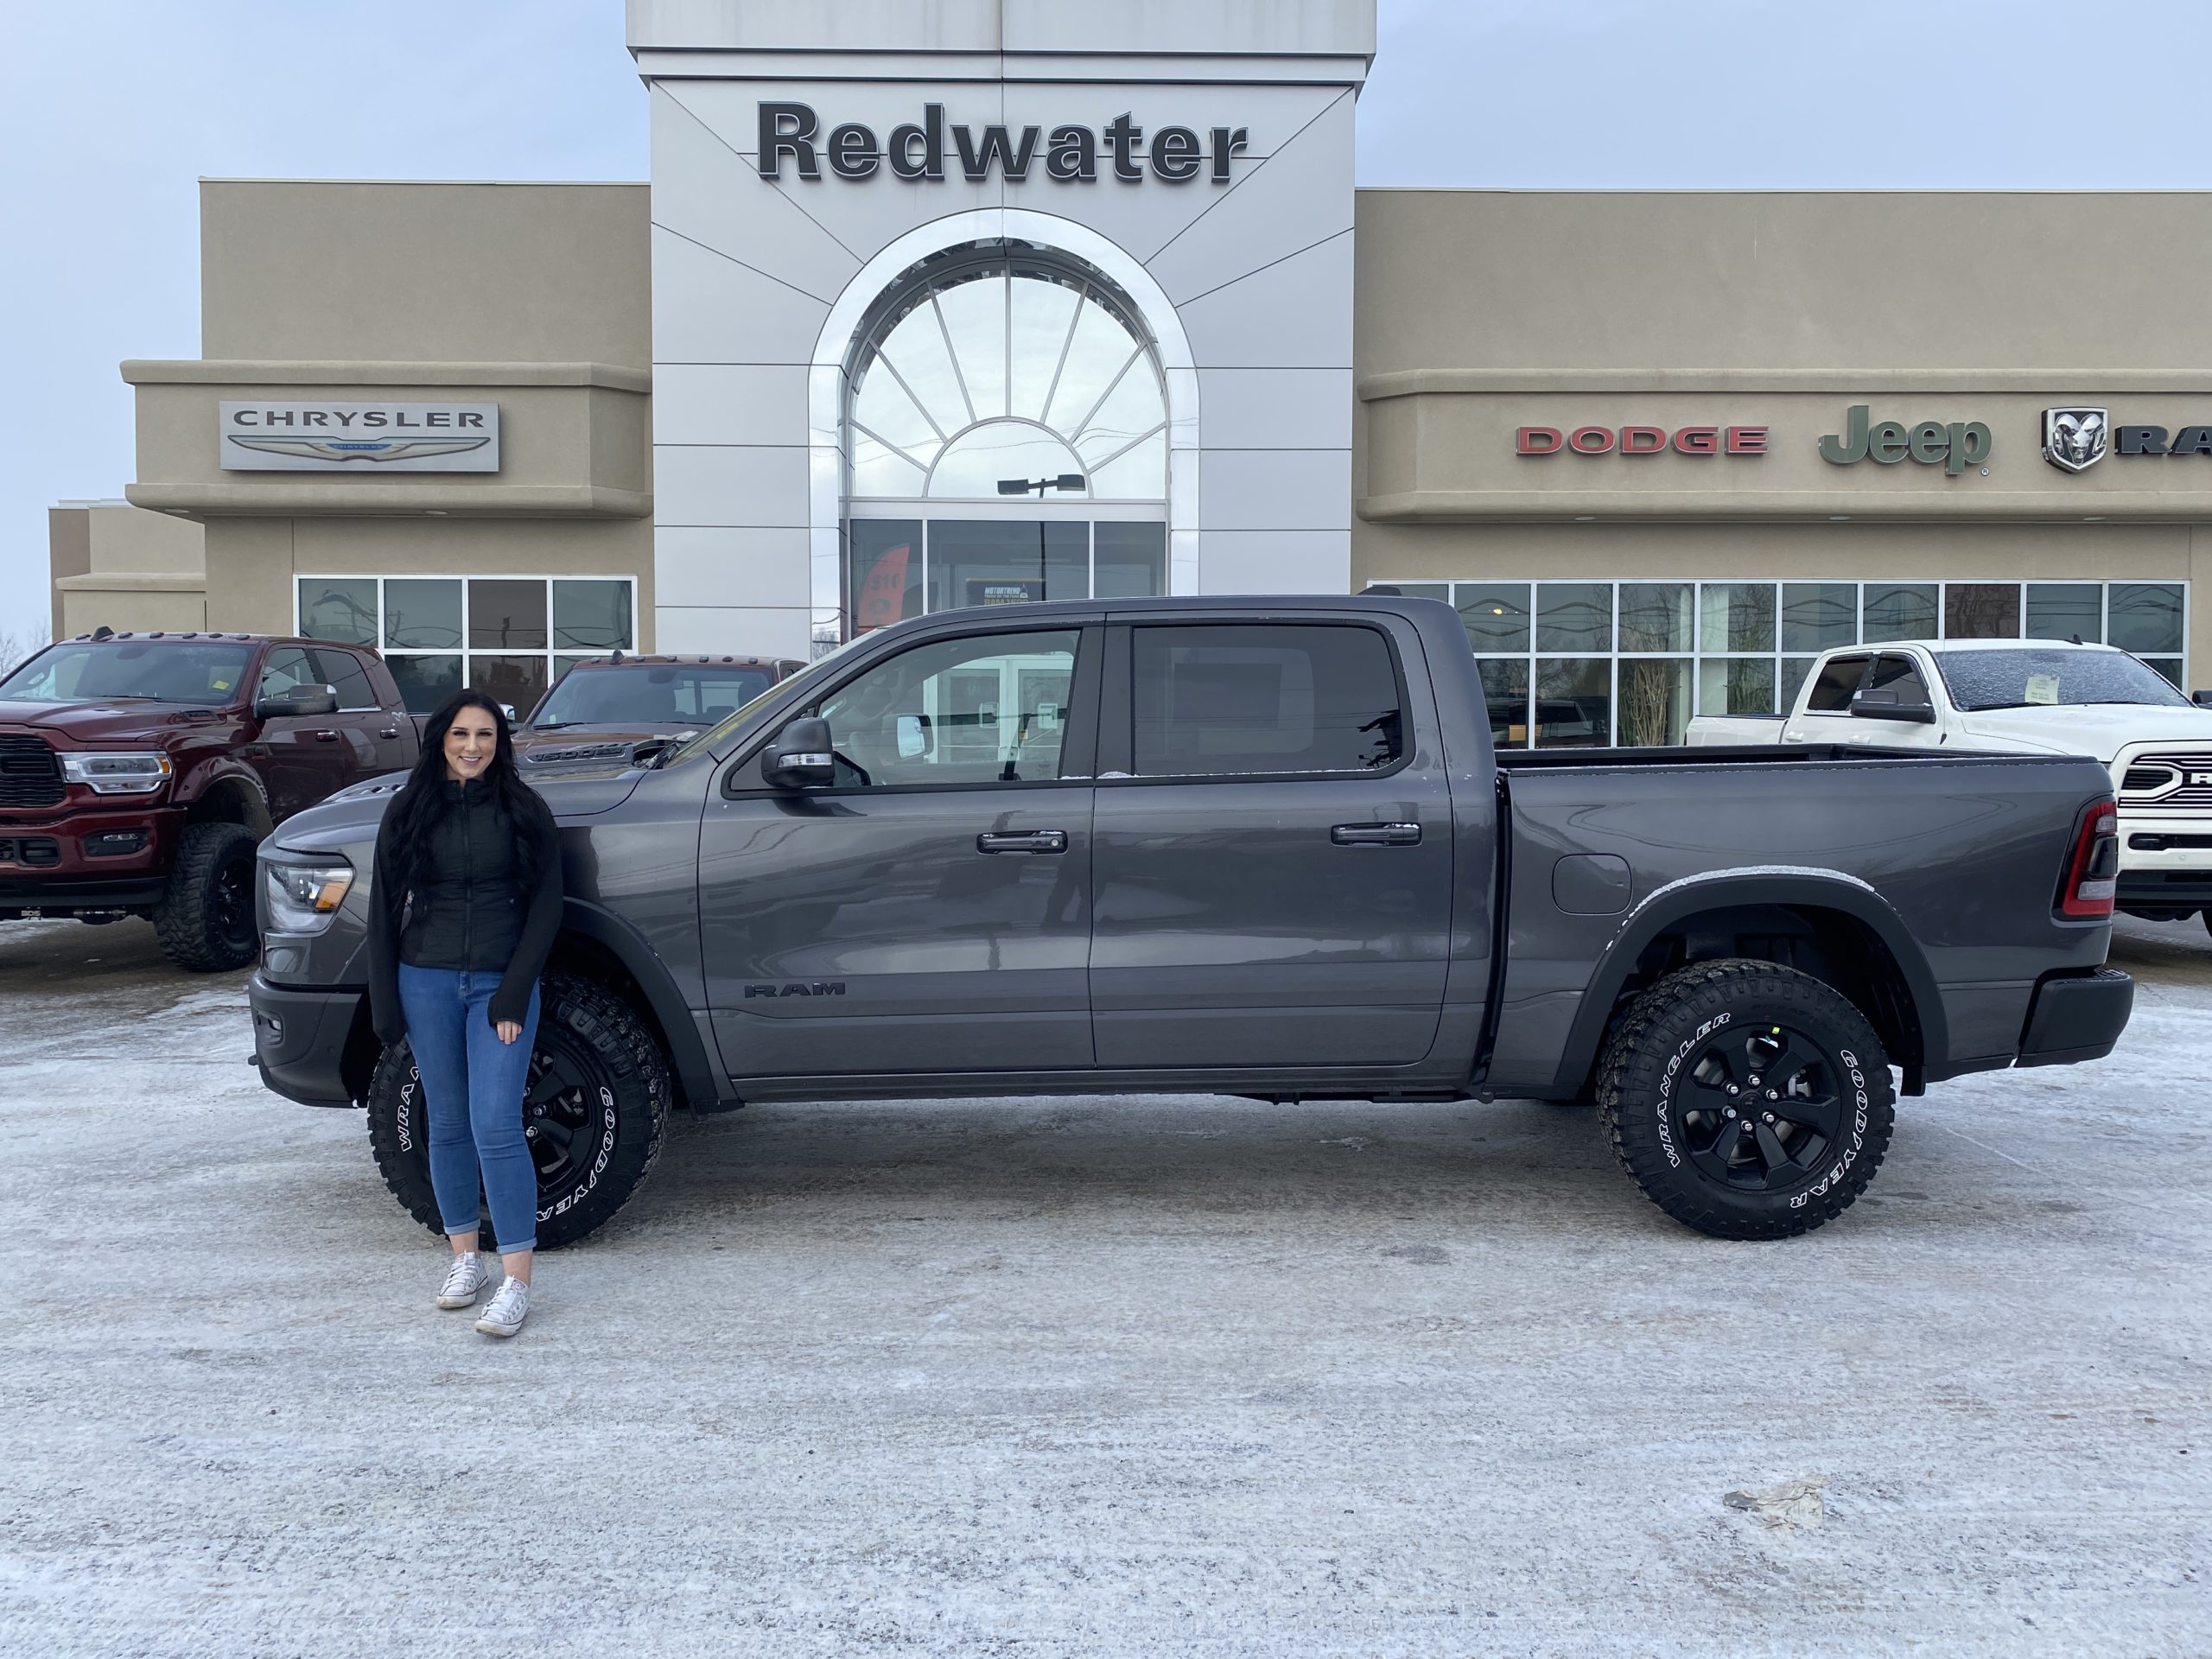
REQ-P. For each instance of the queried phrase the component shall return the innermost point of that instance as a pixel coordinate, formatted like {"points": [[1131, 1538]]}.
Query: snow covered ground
{"points": [[1099, 1376]]}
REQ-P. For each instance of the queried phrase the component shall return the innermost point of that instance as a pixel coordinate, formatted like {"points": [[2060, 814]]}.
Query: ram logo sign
{"points": [[2074, 440], [813, 987]]}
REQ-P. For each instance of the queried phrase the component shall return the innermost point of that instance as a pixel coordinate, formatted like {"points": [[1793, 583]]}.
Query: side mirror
{"points": [[916, 740], [798, 757], [1884, 705], [508, 709], [299, 702], [2202, 699]]}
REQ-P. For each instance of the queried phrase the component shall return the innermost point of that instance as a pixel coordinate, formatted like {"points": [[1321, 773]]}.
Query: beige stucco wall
{"points": [[412, 271], [1479, 312], [536, 297], [114, 565]]}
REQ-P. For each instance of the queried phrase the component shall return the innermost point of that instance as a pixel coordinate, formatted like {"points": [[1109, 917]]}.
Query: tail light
{"points": [[2092, 876]]}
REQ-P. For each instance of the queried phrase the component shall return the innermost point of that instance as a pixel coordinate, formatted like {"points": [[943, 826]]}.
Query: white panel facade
{"points": [[1238, 273]]}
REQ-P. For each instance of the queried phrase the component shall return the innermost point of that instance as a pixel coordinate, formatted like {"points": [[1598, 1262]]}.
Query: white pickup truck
{"points": [[2034, 696]]}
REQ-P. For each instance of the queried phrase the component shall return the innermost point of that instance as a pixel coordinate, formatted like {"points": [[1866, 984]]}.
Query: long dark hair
{"points": [[419, 805]]}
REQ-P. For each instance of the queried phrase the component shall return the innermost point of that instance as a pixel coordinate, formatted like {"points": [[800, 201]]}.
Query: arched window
{"points": [[999, 366], [1005, 374]]}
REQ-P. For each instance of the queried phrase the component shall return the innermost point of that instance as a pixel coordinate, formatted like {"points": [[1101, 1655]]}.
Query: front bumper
{"points": [[300, 1040], [2076, 1017], [62, 874]]}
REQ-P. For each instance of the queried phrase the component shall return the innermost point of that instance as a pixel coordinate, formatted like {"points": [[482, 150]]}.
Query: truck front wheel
{"points": [[205, 919], [1746, 1099], [594, 1111]]}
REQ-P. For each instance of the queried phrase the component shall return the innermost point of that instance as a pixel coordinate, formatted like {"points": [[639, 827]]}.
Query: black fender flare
{"points": [[704, 1085], [1724, 889]]}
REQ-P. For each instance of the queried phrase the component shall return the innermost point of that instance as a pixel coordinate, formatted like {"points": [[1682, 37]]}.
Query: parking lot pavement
{"points": [[1095, 1377]]}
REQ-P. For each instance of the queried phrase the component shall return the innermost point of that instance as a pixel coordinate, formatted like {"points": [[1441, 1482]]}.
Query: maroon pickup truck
{"points": [[138, 771]]}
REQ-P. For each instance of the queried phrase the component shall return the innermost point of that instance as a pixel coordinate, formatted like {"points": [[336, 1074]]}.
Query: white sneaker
{"points": [[465, 1279], [508, 1309]]}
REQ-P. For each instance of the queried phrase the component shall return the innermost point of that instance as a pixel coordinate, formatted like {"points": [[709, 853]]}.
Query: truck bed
{"points": [[1941, 847]]}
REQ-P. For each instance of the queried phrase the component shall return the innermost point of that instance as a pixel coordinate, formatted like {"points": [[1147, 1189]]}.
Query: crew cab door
{"points": [[1273, 852], [301, 758], [371, 732], [929, 911]]}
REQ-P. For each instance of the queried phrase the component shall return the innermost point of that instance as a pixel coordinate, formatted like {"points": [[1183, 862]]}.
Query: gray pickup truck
{"points": [[1251, 846]]}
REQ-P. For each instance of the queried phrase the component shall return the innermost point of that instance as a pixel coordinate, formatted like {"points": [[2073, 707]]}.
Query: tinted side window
{"points": [[345, 673], [989, 709], [1901, 678], [1832, 691], [1265, 698], [287, 668]]}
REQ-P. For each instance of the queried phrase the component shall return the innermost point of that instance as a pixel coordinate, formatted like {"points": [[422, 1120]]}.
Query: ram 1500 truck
{"points": [[1256, 847], [2028, 696], [138, 770]]}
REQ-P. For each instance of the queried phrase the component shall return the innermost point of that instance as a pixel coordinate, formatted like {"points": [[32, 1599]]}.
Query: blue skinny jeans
{"points": [[472, 1086]]}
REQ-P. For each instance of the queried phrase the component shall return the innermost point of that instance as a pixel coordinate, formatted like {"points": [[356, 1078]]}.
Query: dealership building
{"points": [[993, 301]]}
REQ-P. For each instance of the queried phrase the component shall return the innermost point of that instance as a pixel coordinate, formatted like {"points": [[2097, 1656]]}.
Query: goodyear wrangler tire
{"points": [[595, 1112], [1746, 1099]]}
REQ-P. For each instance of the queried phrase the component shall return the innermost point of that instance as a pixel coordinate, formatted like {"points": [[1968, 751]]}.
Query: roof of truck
{"points": [[630, 660], [1986, 644]]}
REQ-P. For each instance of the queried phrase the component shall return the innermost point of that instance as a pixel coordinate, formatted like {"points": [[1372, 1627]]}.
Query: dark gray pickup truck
{"points": [[1247, 847]]}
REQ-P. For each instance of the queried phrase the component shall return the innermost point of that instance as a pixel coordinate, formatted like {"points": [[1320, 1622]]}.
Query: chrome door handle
{"points": [[1377, 835], [1024, 841], [326, 737], [389, 731]]}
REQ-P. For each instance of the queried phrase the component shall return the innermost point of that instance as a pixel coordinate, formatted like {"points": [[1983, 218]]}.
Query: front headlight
{"points": [[117, 774], [302, 898]]}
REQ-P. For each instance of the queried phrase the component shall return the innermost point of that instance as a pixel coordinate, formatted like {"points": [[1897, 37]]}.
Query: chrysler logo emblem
{"points": [[360, 448], [2074, 440]]}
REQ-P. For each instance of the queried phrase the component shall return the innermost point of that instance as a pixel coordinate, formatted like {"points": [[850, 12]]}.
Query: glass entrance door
{"points": [[899, 567]]}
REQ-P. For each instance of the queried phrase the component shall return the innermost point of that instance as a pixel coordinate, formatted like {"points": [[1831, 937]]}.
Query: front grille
{"points": [[32, 852], [29, 775], [2163, 780]]}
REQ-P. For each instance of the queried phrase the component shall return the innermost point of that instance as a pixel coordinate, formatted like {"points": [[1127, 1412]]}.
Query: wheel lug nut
{"points": [[1730, 1112], [1733, 1090], [1754, 1080], [1773, 1094], [1766, 1117]]}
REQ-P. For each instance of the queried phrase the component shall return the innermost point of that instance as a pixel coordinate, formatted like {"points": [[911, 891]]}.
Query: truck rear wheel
{"points": [[594, 1111], [205, 919], [1746, 1099]]}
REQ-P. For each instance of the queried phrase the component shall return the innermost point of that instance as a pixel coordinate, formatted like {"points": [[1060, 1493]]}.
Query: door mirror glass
{"points": [[915, 738], [800, 756]]}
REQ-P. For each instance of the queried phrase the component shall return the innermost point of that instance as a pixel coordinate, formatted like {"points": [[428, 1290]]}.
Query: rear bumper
{"points": [[2078, 1017], [300, 1039], [2176, 890]]}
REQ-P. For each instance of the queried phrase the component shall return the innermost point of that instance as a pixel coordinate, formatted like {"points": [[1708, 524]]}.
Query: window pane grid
{"points": [[1690, 647], [428, 631]]}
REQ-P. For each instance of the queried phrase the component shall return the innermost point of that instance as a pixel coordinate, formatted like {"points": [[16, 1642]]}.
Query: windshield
{"points": [[2028, 678], [810, 675], [651, 694], [207, 675]]}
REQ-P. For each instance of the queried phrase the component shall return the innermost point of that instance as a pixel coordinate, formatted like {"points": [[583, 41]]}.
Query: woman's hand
{"points": [[508, 1030]]}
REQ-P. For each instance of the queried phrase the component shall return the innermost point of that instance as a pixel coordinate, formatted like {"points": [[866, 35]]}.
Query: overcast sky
{"points": [[111, 110]]}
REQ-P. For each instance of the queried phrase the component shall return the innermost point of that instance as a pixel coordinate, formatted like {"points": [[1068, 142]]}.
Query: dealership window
{"points": [[1006, 441], [1587, 663], [510, 636]]}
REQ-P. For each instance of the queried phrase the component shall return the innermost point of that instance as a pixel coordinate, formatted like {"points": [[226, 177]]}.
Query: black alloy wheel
{"points": [[1759, 1108], [1747, 1100], [594, 1109]]}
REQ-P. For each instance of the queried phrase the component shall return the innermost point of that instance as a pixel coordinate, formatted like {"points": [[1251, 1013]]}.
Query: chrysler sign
{"points": [[1067, 154], [359, 437]]}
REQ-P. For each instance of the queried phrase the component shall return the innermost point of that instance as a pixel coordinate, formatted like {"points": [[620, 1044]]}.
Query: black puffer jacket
{"points": [[466, 907]]}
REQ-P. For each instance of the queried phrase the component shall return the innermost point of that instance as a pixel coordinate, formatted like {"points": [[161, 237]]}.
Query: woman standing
{"points": [[466, 903]]}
